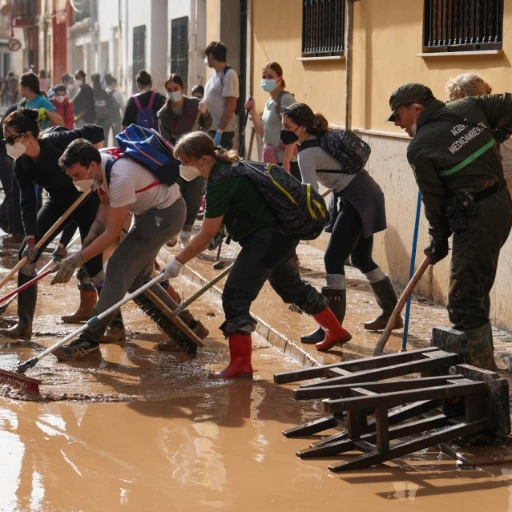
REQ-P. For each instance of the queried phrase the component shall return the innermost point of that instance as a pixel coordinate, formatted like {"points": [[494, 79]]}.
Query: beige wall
{"points": [[212, 20], [387, 39]]}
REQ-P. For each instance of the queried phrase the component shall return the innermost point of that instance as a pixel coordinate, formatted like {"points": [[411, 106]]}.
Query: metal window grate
{"points": [[179, 47], [139, 52], [462, 25], [323, 27], [24, 9]]}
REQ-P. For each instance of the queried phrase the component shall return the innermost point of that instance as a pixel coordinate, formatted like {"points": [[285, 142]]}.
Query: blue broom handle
{"points": [[411, 270]]}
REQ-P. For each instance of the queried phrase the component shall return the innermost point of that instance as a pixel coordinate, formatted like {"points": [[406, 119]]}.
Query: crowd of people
{"points": [[455, 154]]}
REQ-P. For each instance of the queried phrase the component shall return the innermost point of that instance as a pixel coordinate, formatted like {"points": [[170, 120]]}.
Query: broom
{"points": [[22, 383]]}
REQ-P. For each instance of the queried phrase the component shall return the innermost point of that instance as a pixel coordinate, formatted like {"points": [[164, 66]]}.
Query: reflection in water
{"points": [[36, 498], [13, 451]]}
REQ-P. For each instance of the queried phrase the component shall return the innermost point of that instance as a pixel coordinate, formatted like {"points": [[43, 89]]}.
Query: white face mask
{"points": [[60, 99], [206, 61], [16, 150], [414, 127], [175, 96], [84, 185], [188, 172], [78, 83]]}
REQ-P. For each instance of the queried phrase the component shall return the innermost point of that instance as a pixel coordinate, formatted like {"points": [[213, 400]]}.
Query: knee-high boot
{"points": [[87, 302], [386, 298], [240, 351], [27, 300], [338, 305]]}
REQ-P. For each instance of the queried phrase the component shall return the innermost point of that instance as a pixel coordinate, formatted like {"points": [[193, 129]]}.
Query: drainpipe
{"points": [[348, 60]]}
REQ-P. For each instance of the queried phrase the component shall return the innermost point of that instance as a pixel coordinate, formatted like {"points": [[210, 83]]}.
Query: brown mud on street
{"points": [[140, 430]]}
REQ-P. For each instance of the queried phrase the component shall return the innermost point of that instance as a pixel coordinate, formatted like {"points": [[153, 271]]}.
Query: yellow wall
{"points": [[212, 20]]}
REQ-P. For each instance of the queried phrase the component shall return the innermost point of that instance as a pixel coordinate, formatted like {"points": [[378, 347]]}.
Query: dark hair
{"points": [[31, 81], [59, 88], [174, 77], [81, 73], [143, 78], [301, 114], [198, 89], [218, 50], [42, 73], [66, 77], [274, 66], [198, 144], [96, 80], [109, 79], [23, 120], [80, 151]]}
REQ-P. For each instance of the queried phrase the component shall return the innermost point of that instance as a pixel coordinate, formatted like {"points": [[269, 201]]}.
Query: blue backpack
{"points": [[149, 149], [146, 117]]}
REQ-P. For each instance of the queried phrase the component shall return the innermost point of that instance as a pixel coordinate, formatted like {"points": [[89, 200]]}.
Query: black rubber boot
{"points": [[481, 347], [27, 300], [386, 299], [337, 304]]}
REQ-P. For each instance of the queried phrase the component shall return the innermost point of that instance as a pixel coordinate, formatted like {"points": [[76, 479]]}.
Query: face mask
{"points": [[288, 137], [414, 127], [188, 172], [60, 99], [15, 150], [206, 62], [175, 96], [78, 83], [84, 185], [269, 85]]}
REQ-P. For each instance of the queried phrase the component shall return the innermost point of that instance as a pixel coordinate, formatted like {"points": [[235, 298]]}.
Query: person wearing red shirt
{"points": [[64, 107]]}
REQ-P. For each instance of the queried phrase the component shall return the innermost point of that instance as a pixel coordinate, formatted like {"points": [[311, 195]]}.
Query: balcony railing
{"points": [[323, 27], [462, 25], [24, 13]]}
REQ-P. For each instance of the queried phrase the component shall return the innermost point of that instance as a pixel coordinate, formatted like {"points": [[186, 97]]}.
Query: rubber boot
{"points": [[338, 305], [88, 300], [240, 351], [481, 347], [334, 332], [386, 299], [27, 300]]}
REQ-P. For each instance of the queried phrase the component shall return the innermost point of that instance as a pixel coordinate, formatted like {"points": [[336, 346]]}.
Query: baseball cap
{"points": [[406, 95]]}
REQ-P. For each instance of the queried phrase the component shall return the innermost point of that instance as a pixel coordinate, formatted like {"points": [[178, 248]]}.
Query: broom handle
{"points": [[47, 235], [27, 285], [95, 319], [205, 288], [386, 333]]}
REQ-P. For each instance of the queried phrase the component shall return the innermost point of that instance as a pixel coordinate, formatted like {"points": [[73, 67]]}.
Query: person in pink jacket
{"points": [[64, 107]]}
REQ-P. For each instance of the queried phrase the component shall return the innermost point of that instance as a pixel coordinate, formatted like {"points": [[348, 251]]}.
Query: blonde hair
{"points": [[198, 144], [467, 84]]}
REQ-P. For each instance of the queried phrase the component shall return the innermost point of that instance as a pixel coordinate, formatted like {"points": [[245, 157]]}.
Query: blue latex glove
{"points": [[217, 138]]}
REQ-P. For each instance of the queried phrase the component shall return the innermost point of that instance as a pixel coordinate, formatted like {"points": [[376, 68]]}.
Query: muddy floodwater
{"points": [[141, 430]]}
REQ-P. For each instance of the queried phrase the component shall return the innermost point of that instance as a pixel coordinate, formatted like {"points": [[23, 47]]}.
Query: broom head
{"points": [[19, 382]]}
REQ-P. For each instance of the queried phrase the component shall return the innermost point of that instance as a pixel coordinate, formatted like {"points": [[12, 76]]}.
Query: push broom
{"points": [[188, 342]]}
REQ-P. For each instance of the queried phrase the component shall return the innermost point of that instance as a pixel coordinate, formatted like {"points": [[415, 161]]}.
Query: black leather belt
{"points": [[478, 196]]}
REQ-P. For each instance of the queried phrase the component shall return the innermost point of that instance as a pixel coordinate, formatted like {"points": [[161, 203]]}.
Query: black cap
{"points": [[406, 95]]}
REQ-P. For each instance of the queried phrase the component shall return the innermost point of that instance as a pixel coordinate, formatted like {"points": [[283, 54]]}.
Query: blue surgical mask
{"points": [[175, 96], [269, 85]]}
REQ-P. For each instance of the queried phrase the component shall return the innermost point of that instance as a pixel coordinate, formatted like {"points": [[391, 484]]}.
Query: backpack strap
{"points": [[277, 102], [151, 100], [313, 143], [224, 71], [137, 102]]}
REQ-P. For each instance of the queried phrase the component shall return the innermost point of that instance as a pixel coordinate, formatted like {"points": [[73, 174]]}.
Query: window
{"points": [[139, 52], [462, 25], [24, 9], [179, 47], [323, 27]]}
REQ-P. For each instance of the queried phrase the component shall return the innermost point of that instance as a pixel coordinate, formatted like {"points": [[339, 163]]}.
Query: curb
{"points": [[266, 331]]}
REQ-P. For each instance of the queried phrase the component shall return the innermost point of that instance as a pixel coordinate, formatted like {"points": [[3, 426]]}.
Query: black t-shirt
{"points": [[130, 114], [84, 101]]}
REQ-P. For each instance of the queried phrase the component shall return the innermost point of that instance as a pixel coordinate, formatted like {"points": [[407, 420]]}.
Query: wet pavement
{"points": [[138, 429]]}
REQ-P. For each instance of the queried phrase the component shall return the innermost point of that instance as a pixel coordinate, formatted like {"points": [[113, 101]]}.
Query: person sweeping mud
{"points": [[37, 162], [159, 212], [455, 158], [266, 252]]}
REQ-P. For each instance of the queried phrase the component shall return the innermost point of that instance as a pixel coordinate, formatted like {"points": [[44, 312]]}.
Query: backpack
{"points": [[300, 210], [240, 101], [149, 149], [351, 151], [145, 115], [100, 104]]}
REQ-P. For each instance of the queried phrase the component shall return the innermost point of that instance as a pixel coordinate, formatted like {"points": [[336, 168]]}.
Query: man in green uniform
{"points": [[455, 158]]}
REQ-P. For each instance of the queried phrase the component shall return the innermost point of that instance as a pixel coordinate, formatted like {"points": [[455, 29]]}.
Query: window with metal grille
{"points": [[179, 47], [323, 27], [139, 52], [462, 25], [24, 9]]}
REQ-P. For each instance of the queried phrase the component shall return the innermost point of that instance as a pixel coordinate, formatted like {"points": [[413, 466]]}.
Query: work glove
{"points": [[30, 250], [67, 267], [172, 269], [217, 138], [97, 228], [437, 250], [59, 253]]}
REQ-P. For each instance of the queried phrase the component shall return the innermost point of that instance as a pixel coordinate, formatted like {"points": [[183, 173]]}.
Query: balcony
{"points": [[24, 13]]}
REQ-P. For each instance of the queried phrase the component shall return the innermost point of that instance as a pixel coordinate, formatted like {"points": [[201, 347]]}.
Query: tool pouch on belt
{"points": [[458, 208]]}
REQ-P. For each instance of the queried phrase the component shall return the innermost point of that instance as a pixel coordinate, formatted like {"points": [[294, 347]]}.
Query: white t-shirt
{"points": [[130, 184], [217, 89]]}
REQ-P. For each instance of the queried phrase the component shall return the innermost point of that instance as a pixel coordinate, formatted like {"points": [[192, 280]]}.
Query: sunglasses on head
{"points": [[11, 140]]}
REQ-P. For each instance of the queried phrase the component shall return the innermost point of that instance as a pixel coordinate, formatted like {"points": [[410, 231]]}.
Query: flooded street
{"points": [[142, 430]]}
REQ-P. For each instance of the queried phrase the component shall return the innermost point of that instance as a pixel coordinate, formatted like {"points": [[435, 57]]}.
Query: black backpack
{"points": [[240, 101], [300, 210]]}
